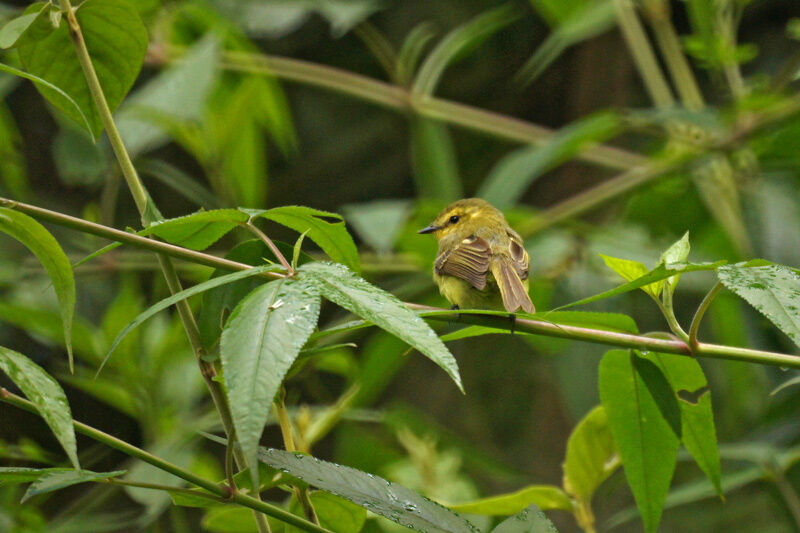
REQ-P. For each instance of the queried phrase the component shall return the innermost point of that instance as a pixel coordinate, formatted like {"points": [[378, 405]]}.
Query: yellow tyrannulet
{"points": [[481, 263]]}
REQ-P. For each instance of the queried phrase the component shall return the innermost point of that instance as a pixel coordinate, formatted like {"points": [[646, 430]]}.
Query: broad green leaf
{"points": [[530, 520], [14, 180], [46, 394], [433, 156], [334, 513], [332, 237], [544, 496], [199, 230], [458, 44], [196, 498], [13, 29], [229, 519], [58, 480], [13, 475], [591, 456], [661, 272], [182, 295], [179, 91], [513, 174], [678, 252], [218, 303], [258, 346], [645, 442], [346, 289], [773, 290], [689, 384], [392, 501], [53, 57], [39, 241], [661, 391], [631, 270]]}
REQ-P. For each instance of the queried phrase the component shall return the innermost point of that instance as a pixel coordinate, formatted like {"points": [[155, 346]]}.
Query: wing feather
{"points": [[468, 260]]}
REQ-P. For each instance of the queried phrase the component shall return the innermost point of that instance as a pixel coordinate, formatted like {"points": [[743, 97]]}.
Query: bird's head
{"points": [[464, 216]]}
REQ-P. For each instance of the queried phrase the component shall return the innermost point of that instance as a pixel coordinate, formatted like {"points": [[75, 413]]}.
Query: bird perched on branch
{"points": [[481, 263]]}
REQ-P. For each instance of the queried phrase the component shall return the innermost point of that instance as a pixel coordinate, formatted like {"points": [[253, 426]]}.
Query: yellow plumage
{"points": [[481, 263]]}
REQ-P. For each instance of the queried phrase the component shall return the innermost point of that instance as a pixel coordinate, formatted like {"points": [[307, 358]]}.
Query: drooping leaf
{"points": [[774, 290], [530, 520], [182, 295], [258, 346], [15, 28], [39, 241], [179, 181], [383, 309], [199, 230], [434, 159], [544, 496], [631, 270], [458, 43], [196, 498], [59, 480], [392, 501], [661, 391], [332, 237], [46, 394], [334, 513], [591, 456], [661, 272], [646, 443], [689, 384], [52, 57], [510, 178]]}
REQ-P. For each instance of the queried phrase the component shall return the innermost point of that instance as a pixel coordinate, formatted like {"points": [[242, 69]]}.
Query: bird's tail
{"points": [[514, 293]]}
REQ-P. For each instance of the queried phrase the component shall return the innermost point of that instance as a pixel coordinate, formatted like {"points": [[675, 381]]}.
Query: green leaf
{"points": [[511, 177], [591, 456], [574, 22], [12, 475], [199, 230], [392, 501], [334, 513], [258, 346], [332, 237], [661, 391], [661, 272], [52, 57], [773, 290], [182, 295], [178, 180], [14, 28], [544, 496], [458, 44], [346, 289], [39, 241], [44, 85], [58, 480], [379, 222], [179, 91], [646, 443], [434, 159], [690, 387], [46, 394], [196, 498], [530, 520], [678, 252], [631, 270]]}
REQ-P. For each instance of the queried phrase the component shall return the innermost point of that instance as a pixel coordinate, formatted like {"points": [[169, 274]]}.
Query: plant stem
{"points": [[301, 493], [396, 97], [643, 55], [433, 313], [271, 245], [155, 486], [149, 213], [669, 313], [161, 464], [698, 315]]}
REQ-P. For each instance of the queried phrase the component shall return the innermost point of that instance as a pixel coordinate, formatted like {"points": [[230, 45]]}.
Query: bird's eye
{"points": [[454, 219]]}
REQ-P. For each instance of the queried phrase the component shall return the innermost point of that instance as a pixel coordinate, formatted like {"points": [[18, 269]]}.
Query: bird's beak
{"points": [[429, 229]]}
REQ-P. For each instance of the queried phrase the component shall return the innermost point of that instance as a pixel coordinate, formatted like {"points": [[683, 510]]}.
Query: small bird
{"points": [[481, 263]]}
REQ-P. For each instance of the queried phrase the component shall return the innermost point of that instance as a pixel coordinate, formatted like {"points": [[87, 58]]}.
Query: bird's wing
{"points": [[518, 255], [468, 260]]}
